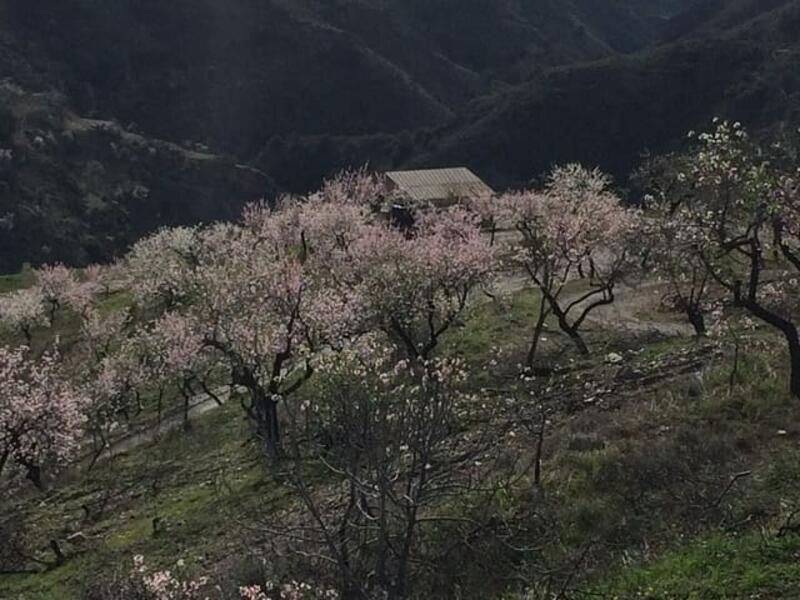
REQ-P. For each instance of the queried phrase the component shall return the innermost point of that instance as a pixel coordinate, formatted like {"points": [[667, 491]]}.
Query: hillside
{"points": [[244, 79], [737, 60], [79, 190], [301, 89], [231, 74], [611, 112], [238, 364], [640, 462], [541, 395]]}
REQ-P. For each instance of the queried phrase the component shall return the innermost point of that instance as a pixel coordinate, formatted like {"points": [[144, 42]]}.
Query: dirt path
{"points": [[201, 404], [628, 312], [630, 309]]}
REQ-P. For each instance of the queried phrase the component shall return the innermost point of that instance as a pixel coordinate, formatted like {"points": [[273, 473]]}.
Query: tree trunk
{"points": [[266, 413], [734, 369], [537, 335], [187, 424], [274, 437], [4, 460], [186, 390], [34, 474], [794, 354], [697, 319], [789, 331], [60, 558], [575, 337], [571, 330]]}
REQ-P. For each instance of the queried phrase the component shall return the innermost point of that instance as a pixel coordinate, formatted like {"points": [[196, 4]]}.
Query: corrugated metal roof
{"points": [[439, 184]]}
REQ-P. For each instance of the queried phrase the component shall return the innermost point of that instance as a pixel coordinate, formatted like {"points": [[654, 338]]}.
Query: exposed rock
{"points": [[78, 538]]}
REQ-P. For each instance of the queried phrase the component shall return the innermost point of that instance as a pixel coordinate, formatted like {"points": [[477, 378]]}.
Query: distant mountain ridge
{"points": [[297, 89], [737, 59], [231, 73], [745, 67]]}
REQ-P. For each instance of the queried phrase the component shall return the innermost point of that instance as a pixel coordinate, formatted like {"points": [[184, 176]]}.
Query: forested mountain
{"points": [[609, 112], [77, 190], [740, 60], [232, 73], [301, 88]]}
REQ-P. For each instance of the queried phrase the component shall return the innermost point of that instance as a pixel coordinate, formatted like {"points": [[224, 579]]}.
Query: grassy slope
{"points": [[10, 283], [717, 567], [184, 482], [697, 537], [639, 472]]}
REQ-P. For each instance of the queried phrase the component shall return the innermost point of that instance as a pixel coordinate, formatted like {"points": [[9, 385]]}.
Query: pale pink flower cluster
{"points": [[171, 345], [113, 365], [356, 187], [168, 585], [61, 287], [575, 222], [157, 266], [107, 278], [42, 416], [81, 296], [55, 287], [292, 590], [23, 310], [426, 277], [729, 182], [737, 201], [374, 364], [99, 330], [54, 281], [308, 273], [786, 207], [164, 585]]}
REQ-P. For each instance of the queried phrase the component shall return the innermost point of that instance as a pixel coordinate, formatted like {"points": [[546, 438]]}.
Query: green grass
{"points": [[718, 567], [67, 324], [17, 281], [649, 481], [496, 335], [491, 325], [640, 479], [188, 483]]}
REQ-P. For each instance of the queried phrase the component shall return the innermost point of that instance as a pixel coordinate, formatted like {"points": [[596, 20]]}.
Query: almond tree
{"points": [[411, 284], [157, 266], [302, 276], [573, 229], [56, 288], [246, 294], [22, 311], [54, 282], [416, 286], [110, 372], [744, 211], [170, 352], [42, 416], [389, 436], [672, 256], [670, 242]]}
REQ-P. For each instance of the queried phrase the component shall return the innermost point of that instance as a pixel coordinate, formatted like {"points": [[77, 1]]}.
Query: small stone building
{"points": [[440, 187]]}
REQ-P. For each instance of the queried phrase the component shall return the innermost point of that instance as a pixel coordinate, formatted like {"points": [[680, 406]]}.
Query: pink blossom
{"points": [[54, 281], [23, 310], [42, 416]]}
